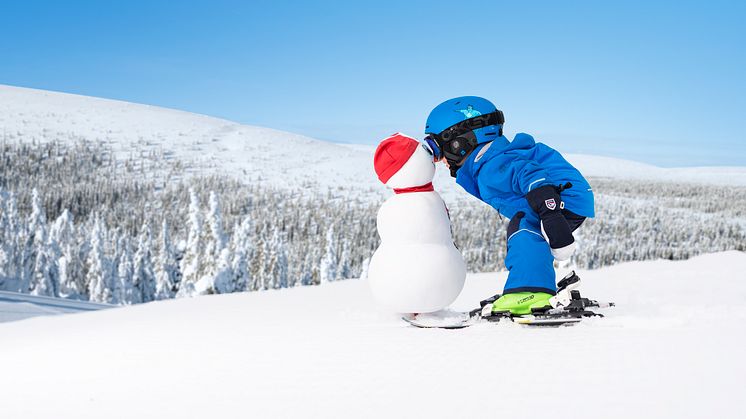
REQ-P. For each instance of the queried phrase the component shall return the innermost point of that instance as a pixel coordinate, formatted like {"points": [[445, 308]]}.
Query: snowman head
{"points": [[403, 162]]}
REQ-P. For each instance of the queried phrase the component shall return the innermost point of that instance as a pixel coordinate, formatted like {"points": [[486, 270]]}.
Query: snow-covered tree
{"points": [[45, 274], [142, 275], [364, 270], [62, 233], [213, 241], [344, 268], [35, 224], [123, 283], [242, 246], [330, 261], [309, 273], [191, 268], [98, 268], [166, 268], [277, 262], [224, 280], [9, 257], [44, 278], [260, 261]]}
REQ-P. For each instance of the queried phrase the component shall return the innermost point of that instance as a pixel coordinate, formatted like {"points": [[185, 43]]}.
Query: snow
{"points": [[206, 144], [671, 348], [597, 166], [255, 154], [16, 306], [609, 167]]}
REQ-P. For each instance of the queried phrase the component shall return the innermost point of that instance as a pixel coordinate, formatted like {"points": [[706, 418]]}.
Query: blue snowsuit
{"points": [[500, 173]]}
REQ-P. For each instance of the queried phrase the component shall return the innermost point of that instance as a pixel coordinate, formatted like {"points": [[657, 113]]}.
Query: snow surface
{"points": [[673, 347], [17, 306], [254, 154], [206, 144], [597, 166]]}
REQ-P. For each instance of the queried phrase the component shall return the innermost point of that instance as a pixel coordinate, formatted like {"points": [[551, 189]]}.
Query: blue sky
{"points": [[659, 82]]}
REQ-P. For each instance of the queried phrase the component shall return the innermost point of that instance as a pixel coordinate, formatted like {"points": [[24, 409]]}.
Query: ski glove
{"points": [[546, 202]]}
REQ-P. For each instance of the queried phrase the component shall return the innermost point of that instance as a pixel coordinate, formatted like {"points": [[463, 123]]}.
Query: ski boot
{"points": [[522, 303]]}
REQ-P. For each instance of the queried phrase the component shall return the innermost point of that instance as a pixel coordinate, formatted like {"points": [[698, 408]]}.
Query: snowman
{"points": [[417, 268]]}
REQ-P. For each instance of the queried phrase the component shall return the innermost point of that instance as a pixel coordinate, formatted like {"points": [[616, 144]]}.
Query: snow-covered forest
{"points": [[77, 222]]}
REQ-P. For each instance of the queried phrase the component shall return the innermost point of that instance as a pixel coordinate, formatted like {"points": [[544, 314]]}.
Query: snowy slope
{"points": [[16, 306], [609, 167], [597, 166], [207, 144], [254, 154], [672, 348]]}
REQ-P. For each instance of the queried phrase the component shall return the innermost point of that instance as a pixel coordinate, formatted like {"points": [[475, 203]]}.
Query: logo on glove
{"points": [[551, 204]]}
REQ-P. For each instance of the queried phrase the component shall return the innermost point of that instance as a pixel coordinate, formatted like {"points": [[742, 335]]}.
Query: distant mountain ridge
{"points": [[255, 154]]}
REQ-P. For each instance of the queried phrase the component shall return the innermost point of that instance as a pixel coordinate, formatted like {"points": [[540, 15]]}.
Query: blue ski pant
{"points": [[529, 259]]}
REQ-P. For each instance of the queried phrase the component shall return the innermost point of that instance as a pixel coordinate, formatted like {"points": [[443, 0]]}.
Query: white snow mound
{"points": [[673, 347]]}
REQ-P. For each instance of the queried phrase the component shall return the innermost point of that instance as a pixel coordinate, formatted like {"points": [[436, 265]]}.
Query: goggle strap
{"points": [[481, 121]]}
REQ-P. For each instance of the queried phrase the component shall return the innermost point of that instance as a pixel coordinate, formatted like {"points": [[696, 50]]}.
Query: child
{"points": [[544, 196]]}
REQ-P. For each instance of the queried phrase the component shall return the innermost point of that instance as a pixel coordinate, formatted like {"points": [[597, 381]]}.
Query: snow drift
{"points": [[671, 348]]}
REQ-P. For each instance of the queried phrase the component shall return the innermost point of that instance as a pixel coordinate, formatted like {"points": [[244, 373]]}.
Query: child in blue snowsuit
{"points": [[543, 195]]}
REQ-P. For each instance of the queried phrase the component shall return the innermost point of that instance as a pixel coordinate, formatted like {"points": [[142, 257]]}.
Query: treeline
{"points": [[76, 222], [272, 245], [661, 221]]}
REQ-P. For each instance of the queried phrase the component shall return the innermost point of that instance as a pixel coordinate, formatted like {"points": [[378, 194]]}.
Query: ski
{"points": [[568, 308], [427, 324]]}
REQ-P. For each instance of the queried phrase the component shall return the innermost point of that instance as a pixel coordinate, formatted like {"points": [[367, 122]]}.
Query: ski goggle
{"points": [[434, 149]]}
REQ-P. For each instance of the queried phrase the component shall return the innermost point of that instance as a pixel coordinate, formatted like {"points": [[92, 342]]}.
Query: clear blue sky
{"points": [[660, 82]]}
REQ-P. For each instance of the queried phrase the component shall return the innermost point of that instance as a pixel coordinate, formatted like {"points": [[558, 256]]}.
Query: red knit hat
{"points": [[391, 155]]}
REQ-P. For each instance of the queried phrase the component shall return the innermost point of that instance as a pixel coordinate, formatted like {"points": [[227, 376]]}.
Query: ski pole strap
{"points": [[561, 187]]}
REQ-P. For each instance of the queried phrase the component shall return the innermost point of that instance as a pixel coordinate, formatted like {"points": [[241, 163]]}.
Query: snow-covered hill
{"points": [[609, 167], [254, 154], [597, 166], [671, 348], [206, 144]]}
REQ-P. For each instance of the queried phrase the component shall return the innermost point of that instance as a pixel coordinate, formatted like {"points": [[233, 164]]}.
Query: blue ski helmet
{"points": [[459, 109], [457, 126]]}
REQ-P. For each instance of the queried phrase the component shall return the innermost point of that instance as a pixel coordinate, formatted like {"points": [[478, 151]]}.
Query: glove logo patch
{"points": [[551, 204]]}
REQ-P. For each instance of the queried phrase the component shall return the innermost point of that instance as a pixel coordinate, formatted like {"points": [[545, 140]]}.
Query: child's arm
{"points": [[527, 178], [527, 175], [512, 175]]}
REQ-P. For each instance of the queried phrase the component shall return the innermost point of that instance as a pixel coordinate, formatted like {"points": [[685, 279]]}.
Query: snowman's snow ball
{"points": [[417, 268]]}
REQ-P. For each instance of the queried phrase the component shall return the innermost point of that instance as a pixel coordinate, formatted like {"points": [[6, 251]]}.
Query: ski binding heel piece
{"points": [[565, 289]]}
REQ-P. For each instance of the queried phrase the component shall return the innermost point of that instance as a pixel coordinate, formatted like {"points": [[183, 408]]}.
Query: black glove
{"points": [[546, 202]]}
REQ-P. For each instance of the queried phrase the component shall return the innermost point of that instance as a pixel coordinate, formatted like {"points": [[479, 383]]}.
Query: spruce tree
{"points": [[143, 276], [63, 234], [330, 261], [98, 283], [128, 294], [191, 263], [166, 266], [241, 245]]}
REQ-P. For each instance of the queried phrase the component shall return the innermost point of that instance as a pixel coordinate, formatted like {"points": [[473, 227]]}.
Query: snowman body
{"points": [[417, 268]]}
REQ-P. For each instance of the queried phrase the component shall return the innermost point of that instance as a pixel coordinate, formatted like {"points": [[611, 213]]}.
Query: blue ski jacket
{"points": [[501, 172]]}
